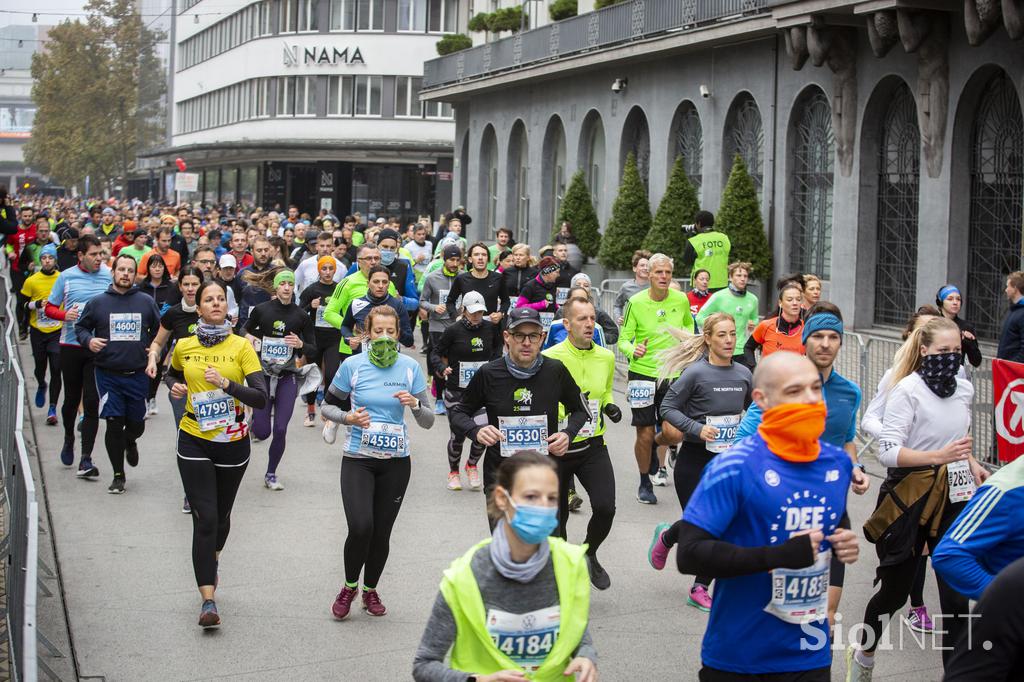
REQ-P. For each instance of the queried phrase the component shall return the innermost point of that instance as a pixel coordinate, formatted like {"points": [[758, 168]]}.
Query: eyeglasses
{"points": [[372, 259], [534, 337]]}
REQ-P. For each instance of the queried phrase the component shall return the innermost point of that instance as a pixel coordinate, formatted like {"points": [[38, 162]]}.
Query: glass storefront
{"points": [[405, 192], [248, 185], [229, 185]]}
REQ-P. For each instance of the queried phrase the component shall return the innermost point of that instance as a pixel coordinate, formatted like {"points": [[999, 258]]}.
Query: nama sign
{"points": [[330, 56]]}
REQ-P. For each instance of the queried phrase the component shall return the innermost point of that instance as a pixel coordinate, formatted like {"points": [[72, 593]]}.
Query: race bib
{"points": [[44, 322], [523, 433], [588, 429], [546, 319], [801, 594], [641, 393], [442, 296], [320, 321], [466, 372], [125, 326], [275, 351], [526, 638], [561, 295], [382, 441], [727, 426], [213, 409], [961, 481]]}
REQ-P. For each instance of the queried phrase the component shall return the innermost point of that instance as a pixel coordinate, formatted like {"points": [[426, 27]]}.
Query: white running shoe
{"points": [[152, 408], [855, 672], [270, 480], [330, 432]]}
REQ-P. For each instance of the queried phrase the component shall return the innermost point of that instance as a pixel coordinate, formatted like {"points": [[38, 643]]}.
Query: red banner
{"points": [[1008, 394]]}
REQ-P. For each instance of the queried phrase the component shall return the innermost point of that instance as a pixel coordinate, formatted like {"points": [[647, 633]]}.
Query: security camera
{"points": [[619, 84], [704, 92]]}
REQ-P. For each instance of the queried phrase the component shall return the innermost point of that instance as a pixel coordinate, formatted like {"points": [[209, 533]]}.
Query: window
{"points": [[407, 97], [813, 164], [308, 10], [343, 15], [339, 96], [412, 15], [261, 98], [264, 19], [288, 20], [370, 15], [745, 136], [305, 96], [689, 143], [439, 110], [354, 95], [367, 95], [442, 16], [286, 96]]}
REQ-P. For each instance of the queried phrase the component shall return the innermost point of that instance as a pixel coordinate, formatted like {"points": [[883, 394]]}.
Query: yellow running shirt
{"points": [[37, 288], [234, 358]]}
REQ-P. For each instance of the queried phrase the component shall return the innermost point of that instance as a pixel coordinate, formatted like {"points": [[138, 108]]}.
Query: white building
{"points": [[17, 110], [312, 102]]}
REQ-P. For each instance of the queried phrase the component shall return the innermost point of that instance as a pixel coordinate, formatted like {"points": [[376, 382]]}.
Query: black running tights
{"points": [[593, 467], [46, 353], [76, 369], [119, 435], [371, 492]]}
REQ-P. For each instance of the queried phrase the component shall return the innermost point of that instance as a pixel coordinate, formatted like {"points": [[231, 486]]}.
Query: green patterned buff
{"points": [[383, 351]]}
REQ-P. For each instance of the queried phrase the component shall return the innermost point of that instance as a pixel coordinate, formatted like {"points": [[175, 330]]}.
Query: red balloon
{"points": [[180, 163]]}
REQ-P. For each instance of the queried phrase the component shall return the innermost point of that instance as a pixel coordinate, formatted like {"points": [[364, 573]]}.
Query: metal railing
{"points": [[20, 544], [617, 24]]}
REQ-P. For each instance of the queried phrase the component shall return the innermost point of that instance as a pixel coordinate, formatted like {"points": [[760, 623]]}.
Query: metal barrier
{"points": [[21, 541]]}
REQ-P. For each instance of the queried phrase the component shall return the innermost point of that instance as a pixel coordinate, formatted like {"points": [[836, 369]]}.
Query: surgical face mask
{"points": [[383, 351], [387, 257], [533, 524]]}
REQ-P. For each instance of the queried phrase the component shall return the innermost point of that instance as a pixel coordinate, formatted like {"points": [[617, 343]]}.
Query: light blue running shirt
{"points": [[75, 286]]}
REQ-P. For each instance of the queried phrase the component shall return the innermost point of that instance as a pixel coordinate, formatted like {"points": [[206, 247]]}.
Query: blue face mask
{"points": [[387, 257], [533, 524]]}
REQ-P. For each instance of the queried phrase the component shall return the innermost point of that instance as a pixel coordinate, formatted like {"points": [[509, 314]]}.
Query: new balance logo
{"points": [[832, 475]]}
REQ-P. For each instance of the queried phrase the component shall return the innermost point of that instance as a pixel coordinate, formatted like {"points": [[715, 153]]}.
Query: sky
{"points": [[50, 11]]}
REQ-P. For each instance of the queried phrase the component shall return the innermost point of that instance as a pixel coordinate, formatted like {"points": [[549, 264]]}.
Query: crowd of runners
{"points": [[246, 315]]}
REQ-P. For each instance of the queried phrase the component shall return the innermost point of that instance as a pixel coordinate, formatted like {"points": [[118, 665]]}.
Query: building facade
{"points": [[313, 103], [885, 137], [17, 110]]}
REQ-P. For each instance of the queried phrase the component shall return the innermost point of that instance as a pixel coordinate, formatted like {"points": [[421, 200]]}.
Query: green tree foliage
{"points": [[601, 4], [739, 217], [678, 206], [578, 209], [630, 223], [453, 42], [563, 9], [478, 22], [507, 19]]}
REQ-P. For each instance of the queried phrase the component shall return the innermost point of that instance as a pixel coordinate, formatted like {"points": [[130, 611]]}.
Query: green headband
{"points": [[284, 276]]}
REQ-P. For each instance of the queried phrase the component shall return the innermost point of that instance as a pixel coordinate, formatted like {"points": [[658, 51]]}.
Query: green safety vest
{"points": [[474, 651], [712, 250]]}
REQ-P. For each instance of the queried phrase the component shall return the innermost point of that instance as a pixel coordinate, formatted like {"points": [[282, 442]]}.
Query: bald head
{"points": [[786, 377]]}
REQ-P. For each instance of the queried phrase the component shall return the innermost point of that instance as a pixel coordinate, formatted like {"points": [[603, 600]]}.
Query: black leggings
{"points": [[46, 353], [120, 433], [76, 369], [917, 588], [593, 467], [455, 444], [690, 463], [210, 473], [371, 492], [328, 359]]}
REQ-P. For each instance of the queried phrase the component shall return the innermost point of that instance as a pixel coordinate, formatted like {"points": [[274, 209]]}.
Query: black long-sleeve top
{"points": [[274, 319], [325, 335], [515, 278], [491, 287], [971, 351], [461, 343]]}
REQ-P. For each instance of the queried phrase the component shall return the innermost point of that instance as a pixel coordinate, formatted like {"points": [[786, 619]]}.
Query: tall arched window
{"points": [[636, 138], [898, 177], [518, 176], [997, 185], [464, 170], [592, 155], [489, 179], [554, 169], [688, 142], [744, 135], [813, 149]]}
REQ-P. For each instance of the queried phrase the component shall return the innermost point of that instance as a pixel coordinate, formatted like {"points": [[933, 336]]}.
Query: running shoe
{"points": [[575, 501], [371, 603], [86, 469], [41, 395], [23, 335], [673, 455], [151, 407], [454, 483], [51, 416], [319, 396], [645, 495], [660, 478], [78, 426], [473, 474], [208, 616], [186, 508], [598, 576], [657, 553], [131, 454], [439, 407], [699, 598], [117, 486], [343, 602], [67, 454], [330, 432], [918, 619], [310, 419], [270, 480], [855, 672]]}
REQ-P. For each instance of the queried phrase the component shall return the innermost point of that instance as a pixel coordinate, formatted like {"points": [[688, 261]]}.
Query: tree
{"points": [[601, 4], [563, 9], [453, 42], [578, 209], [677, 208], [631, 220], [739, 217]]}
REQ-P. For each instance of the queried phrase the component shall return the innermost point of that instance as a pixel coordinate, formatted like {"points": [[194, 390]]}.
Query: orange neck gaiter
{"points": [[792, 430]]}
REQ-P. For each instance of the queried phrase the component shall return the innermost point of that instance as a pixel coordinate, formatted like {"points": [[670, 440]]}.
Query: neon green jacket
{"points": [[644, 318]]}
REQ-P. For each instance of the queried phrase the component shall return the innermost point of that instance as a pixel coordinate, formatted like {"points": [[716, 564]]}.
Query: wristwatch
{"points": [[860, 466]]}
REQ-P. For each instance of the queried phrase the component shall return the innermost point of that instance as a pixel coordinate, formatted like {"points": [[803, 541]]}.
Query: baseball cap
{"points": [[108, 211], [473, 302], [451, 251], [228, 261], [524, 315], [381, 221]]}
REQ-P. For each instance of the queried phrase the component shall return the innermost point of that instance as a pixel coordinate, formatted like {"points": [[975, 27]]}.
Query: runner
{"points": [[764, 521], [400, 270], [504, 242], [162, 247], [380, 384], [641, 280], [950, 301], [811, 293], [931, 475], [117, 326], [783, 332], [558, 332], [566, 272], [279, 331], [213, 445], [14, 244], [464, 346], [352, 326], [709, 249], [593, 369], [700, 413], [521, 392], [71, 292], [522, 271], [532, 587], [314, 300], [648, 315], [699, 294], [491, 286], [737, 302], [308, 271], [349, 289], [433, 300], [43, 336], [540, 292]]}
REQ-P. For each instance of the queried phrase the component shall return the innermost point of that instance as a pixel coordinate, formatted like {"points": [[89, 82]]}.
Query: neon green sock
{"points": [[367, 588], [351, 586]]}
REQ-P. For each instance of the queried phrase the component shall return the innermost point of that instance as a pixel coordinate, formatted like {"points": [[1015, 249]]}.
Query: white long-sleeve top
{"points": [[917, 419], [871, 422]]}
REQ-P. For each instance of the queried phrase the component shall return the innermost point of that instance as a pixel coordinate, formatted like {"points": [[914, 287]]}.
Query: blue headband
{"points": [[946, 291], [48, 250], [820, 321]]}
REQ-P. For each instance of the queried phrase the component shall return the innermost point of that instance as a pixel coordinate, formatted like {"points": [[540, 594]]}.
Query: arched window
{"points": [[555, 171], [744, 135], [636, 138], [811, 182], [464, 170], [592, 155], [898, 177], [518, 187], [489, 179], [688, 142], [997, 181]]}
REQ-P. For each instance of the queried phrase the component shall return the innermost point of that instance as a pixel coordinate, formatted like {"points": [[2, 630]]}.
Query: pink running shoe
{"points": [[918, 620], [657, 553], [699, 598], [343, 603], [371, 603]]}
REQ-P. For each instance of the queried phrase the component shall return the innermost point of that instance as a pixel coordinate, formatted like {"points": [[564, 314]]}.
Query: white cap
{"points": [[228, 261], [473, 302]]}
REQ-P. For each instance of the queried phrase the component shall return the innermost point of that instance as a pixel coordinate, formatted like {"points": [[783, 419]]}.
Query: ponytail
{"points": [[691, 347], [908, 357]]}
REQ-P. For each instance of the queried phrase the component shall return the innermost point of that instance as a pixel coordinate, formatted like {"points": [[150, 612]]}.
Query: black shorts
{"points": [[817, 675], [648, 416]]}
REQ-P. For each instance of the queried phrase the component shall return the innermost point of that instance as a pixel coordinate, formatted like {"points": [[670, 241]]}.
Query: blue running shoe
{"points": [[208, 617], [67, 454], [86, 469], [41, 396], [319, 396], [51, 417]]}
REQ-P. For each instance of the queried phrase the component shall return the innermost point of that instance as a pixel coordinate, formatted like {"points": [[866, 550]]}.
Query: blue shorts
{"points": [[122, 395]]}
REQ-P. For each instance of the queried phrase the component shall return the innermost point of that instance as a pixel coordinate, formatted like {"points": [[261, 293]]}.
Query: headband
{"points": [[945, 292], [284, 276], [326, 259], [554, 267], [822, 321]]}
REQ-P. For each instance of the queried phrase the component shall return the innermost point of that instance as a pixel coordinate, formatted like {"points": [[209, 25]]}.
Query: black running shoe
{"points": [[598, 576], [131, 454], [117, 487]]}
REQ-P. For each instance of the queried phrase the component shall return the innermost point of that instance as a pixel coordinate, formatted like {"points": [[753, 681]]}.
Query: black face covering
{"points": [[939, 373]]}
